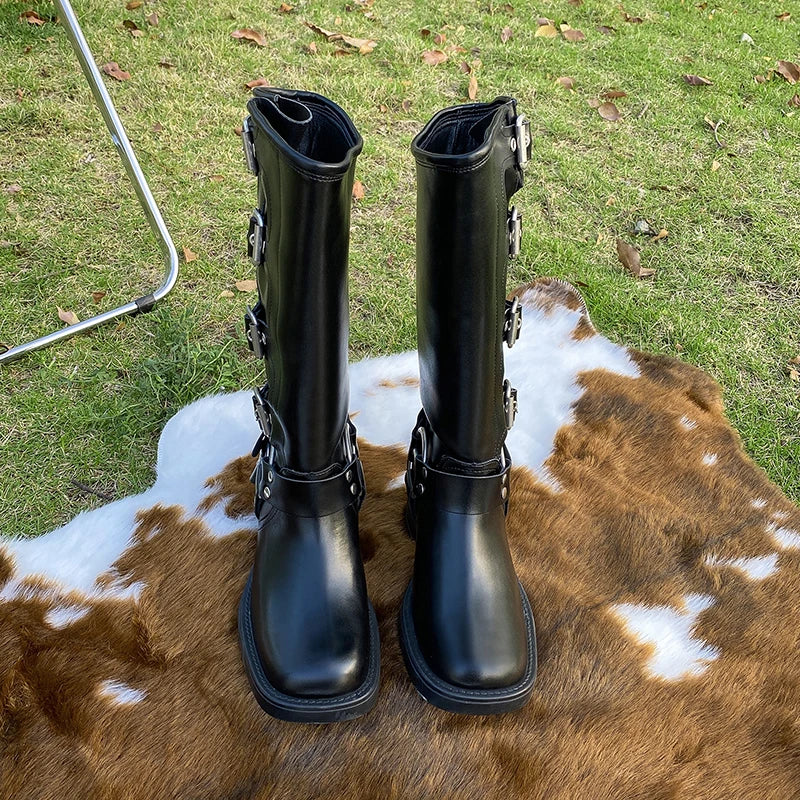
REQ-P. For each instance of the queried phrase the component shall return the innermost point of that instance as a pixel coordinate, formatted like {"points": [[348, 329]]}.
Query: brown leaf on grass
{"points": [[312, 48], [434, 57], [341, 51], [285, 8], [547, 31], [593, 103], [606, 30], [573, 35], [575, 3], [465, 68], [359, 190], [226, 293], [424, 32], [440, 38], [697, 80], [759, 79], [364, 46], [662, 234], [70, 317], [130, 25], [246, 286], [113, 70], [32, 18], [544, 21], [566, 82], [321, 31], [19, 93], [613, 94], [132, 5], [472, 89], [506, 34], [188, 255], [609, 111], [12, 188], [249, 35], [789, 71], [783, 17], [257, 82], [152, 19], [630, 259], [98, 296], [406, 105], [632, 20], [795, 101]]}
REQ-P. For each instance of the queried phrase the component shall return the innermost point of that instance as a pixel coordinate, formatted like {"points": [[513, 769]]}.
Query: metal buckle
{"points": [[255, 330], [263, 414], [513, 322], [256, 237], [249, 146], [416, 475], [514, 232], [509, 403], [522, 140]]}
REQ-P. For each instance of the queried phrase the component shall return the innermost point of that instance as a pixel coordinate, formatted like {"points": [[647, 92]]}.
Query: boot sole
{"points": [[460, 699], [306, 709]]}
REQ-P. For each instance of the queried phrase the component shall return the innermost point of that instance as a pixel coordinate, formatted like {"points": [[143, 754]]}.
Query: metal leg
{"points": [[151, 210]]}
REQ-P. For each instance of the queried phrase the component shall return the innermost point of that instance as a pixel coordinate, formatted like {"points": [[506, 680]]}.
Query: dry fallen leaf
{"points": [[547, 31], [593, 103], [789, 70], [696, 80], [364, 46], [608, 111], [152, 19], [246, 286], [98, 296], [613, 94], [506, 34], [12, 188], [573, 35], [131, 5], [257, 82], [566, 82], [188, 255], [630, 259], [32, 18], [662, 234], [783, 17], [606, 30], [465, 68], [113, 70], [226, 293], [312, 47], [715, 165], [632, 20], [406, 105], [70, 317], [166, 64], [359, 190], [284, 8], [472, 89], [249, 35], [434, 57], [795, 101], [440, 38], [424, 32]]}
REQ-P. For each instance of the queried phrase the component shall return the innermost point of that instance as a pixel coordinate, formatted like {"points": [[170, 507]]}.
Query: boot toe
{"points": [[324, 677]]}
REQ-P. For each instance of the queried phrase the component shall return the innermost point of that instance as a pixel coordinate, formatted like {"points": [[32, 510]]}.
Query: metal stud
{"points": [[353, 489], [348, 476], [504, 492], [266, 492]]}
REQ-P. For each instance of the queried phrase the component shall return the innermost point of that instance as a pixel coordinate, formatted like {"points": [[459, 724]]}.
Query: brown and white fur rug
{"points": [[662, 566]]}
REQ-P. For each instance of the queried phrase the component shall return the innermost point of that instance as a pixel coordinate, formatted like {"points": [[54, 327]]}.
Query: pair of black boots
{"points": [[308, 632]]}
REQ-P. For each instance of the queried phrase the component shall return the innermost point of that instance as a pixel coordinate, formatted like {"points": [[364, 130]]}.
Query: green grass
{"points": [[726, 296]]}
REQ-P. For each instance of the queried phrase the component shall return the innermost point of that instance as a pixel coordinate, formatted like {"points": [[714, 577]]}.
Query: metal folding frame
{"points": [[146, 200]]}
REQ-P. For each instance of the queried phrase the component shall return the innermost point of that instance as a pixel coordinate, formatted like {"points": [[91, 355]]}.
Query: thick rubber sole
{"points": [[306, 709], [459, 699]]}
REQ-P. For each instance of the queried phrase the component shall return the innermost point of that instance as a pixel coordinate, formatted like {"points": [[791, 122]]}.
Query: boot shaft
{"points": [[303, 149], [469, 164]]}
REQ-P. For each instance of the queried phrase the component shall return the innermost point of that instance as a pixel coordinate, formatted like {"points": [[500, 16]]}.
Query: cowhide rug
{"points": [[663, 568]]}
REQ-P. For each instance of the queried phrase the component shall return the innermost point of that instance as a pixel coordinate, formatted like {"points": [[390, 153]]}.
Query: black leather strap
{"points": [[304, 495]]}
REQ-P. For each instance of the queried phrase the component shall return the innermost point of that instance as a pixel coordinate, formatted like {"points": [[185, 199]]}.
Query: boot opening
{"points": [[461, 134], [312, 130]]}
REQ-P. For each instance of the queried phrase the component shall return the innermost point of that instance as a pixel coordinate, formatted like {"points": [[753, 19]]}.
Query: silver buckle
{"points": [[513, 322], [256, 237], [254, 333], [415, 479], [263, 415], [522, 140], [509, 403], [514, 232], [249, 146]]}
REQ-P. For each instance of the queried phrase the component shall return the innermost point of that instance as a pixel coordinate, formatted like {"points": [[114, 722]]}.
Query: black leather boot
{"points": [[308, 633], [466, 626]]}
